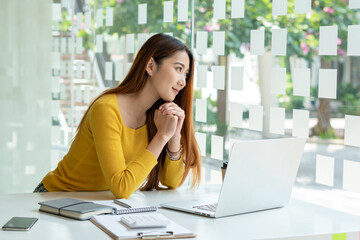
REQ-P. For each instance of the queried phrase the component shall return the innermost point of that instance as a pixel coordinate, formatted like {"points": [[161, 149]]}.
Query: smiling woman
{"points": [[138, 130]]}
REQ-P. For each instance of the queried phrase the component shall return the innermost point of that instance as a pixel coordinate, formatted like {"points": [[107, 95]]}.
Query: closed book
{"points": [[74, 208]]}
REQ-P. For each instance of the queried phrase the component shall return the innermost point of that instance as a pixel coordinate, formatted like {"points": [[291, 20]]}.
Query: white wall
{"points": [[25, 93]]}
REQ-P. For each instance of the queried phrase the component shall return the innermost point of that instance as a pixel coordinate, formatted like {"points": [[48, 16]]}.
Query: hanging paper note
{"points": [[109, 17], [219, 9], [219, 43], [302, 6], [257, 40], [236, 115], [328, 40], [201, 42], [327, 83], [325, 170], [183, 9], [201, 110], [277, 120], [201, 140], [202, 76], [237, 78], [352, 131], [279, 42], [142, 13], [278, 81], [353, 40], [219, 77], [301, 82], [168, 11], [300, 123], [217, 147], [256, 118], [237, 8]]}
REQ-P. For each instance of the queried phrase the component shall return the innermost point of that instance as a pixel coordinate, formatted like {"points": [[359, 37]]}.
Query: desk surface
{"points": [[296, 219]]}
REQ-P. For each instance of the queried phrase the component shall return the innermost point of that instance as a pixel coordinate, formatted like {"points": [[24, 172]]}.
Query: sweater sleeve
{"points": [[106, 129], [173, 172]]}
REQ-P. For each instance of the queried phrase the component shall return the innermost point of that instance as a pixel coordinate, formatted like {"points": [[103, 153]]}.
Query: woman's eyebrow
{"points": [[182, 65]]}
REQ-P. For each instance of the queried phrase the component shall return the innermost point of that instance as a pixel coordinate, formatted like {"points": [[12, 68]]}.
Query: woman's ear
{"points": [[150, 66]]}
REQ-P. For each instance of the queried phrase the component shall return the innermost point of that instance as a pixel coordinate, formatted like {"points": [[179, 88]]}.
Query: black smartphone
{"points": [[19, 224]]}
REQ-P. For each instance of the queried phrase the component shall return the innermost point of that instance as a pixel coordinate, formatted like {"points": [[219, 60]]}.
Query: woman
{"points": [[138, 130]]}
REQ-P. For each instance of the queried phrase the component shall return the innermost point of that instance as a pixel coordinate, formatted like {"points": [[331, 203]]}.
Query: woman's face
{"points": [[169, 78]]}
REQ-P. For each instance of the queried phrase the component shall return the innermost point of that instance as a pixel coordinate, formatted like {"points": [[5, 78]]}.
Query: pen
{"points": [[122, 203]]}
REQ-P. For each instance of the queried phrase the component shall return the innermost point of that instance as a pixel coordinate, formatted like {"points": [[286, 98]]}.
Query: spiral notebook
{"points": [[124, 206]]}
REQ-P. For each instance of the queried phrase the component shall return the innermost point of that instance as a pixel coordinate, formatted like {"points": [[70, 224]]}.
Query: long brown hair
{"points": [[159, 47]]}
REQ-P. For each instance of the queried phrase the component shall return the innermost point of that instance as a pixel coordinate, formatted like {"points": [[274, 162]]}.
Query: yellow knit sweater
{"points": [[106, 154]]}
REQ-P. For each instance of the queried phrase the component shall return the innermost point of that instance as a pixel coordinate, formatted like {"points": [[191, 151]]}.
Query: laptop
{"points": [[259, 176]]}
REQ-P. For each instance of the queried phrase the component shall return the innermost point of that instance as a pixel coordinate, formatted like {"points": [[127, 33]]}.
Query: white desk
{"points": [[296, 219]]}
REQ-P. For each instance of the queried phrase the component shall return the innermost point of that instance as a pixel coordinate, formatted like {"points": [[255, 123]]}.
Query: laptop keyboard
{"points": [[207, 207]]}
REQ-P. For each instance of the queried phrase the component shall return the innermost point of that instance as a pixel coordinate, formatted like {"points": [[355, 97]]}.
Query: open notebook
{"points": [[127, 206]]}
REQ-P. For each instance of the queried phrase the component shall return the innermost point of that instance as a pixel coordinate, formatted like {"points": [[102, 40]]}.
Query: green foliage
{"points": [[349, 96]]}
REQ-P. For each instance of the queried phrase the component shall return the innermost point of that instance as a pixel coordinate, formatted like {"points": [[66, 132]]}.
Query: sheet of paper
{"points": [[237, 78], [257, 40], [168, 11], [201, 110], [63, 69], [63, 45], [219, 43], [118, 71], [55, 60], [99, 17], [78, 94], [88, 20], [219, 9], [70, 69], [109, 17], [56, 12], [78, 73], [201, 42], [99, 43], [328, 40], [201, 140], [63, 92], [142, 38], [56, 44], [87, 95], [278, 81], [87, 71], [236, 115], [142, 13], [277, 120], [256, 117], [79, 18], [79, 45], [300, 123], [130, 46], [325, 170], [352, 131], [302, 6], [327, 83], [202, 76], [301, 82], [279, 42], [108, 71], [237, 8], [353, 48], [353, 4], [218, 77], [351, 176], [279, 7], [217, 147], [183, 9], [55, 108], [55, 85]]}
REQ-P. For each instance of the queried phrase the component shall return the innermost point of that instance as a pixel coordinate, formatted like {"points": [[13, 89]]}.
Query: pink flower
{"points": [[304, 48], [209, 28], [329, 10], [119, 1], [341, 52], [339, 41]]}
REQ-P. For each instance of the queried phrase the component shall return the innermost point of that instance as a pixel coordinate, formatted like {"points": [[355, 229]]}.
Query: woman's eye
{"points": [[179, 69]]}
